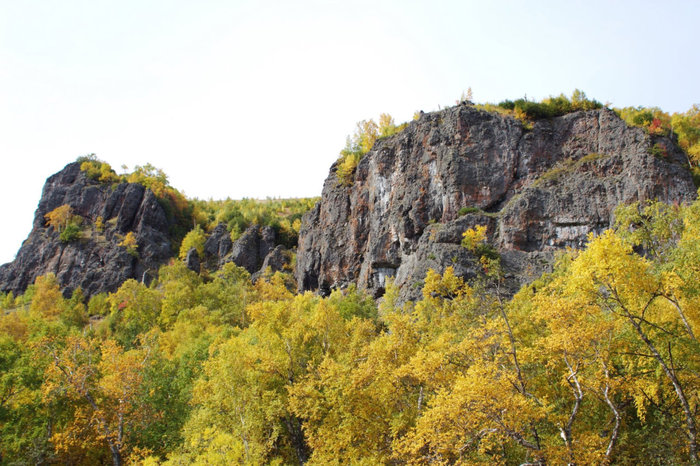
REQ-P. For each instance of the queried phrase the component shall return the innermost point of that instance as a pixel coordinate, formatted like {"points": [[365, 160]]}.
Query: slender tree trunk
{"points": [[516, 363], [688, 328], [613, 408], [297, 438], [578, 396]]}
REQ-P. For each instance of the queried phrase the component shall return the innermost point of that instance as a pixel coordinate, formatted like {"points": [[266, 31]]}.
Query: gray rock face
{"points": [[217, 246], [276, 261], [95, 262], [192, 260], [537, 191], [249, 251]]}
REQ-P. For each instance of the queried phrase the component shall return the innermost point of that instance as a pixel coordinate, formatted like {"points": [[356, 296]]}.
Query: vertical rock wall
{"points": [[538, 190]]}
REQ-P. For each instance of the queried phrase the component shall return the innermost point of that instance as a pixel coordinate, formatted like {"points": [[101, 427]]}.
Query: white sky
{"points": [[255, 98]]}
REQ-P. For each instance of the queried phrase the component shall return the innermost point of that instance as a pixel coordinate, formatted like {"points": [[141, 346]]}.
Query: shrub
{"points": [[551, 106], [468, 210], [659, 150], [97, 169], [194, 239], [65, 222], [695, 172], [59, 217], [654, 120], [129, 242], [70, 233], [472, 237], [687, 128]]}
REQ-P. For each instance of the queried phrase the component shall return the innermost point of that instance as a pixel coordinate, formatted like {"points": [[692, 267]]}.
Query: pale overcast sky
{"points": [[255, 98]]}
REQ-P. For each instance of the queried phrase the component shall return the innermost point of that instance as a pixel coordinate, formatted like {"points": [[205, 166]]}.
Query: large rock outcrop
{"points": [[537, 190], [95, 262]]}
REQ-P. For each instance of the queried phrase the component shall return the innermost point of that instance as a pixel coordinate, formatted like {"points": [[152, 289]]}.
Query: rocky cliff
{"points": [[95, 261], [538, 190]]}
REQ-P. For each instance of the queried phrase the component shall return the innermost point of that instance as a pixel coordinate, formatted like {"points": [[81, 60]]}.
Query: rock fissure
{"points": [[536, 190]]}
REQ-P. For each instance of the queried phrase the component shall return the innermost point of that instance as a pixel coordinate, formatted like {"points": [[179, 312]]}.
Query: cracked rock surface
{"points": [[95, 262], [537, 190]]}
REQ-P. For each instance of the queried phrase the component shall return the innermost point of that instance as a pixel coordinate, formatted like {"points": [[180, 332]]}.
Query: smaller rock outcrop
{"points": [[255, 250], [97, 260], [277, 260], [192, 260]]}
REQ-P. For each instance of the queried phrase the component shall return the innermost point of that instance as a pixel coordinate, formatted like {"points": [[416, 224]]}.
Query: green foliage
{"points": [[194, 239], [98, 305], [566, 166], [695, 172], [654, 120], [98, 170], [70, 233], [468, 210], [65, 222], [176, 205], [283, 215], [178, 208], [549, 107], [684, 126], [594, 363], [687, 128]]}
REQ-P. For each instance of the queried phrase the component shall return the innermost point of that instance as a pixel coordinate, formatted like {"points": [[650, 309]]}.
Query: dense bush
{"points": [[594, 363], [283, 215], [70, 233], [551, 106]]}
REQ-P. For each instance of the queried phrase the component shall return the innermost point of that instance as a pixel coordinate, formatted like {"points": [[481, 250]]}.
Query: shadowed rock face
{"points": [[95, 262], [250, 250], [537, 190]]}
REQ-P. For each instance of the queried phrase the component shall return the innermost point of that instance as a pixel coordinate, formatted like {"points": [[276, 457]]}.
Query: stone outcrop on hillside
{"points": [[255, 250], [95, 262], [412, 196], [537, 190]]}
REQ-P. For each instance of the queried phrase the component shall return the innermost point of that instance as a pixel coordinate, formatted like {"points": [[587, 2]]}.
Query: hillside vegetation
{"points": [[597, 362], [284, 215]]}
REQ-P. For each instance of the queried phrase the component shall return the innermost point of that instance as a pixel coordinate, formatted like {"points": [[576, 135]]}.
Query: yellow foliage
{"points": [[366, 134], [194, 239], [129, 243], [47, 300], [445, 286], [472, 237], [59, 217]]}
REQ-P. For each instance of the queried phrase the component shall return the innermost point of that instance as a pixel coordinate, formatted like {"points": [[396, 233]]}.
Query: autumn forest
{"points": [[595, 362]]}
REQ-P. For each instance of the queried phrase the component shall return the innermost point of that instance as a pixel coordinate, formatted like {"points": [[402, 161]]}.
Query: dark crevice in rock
{"points": [[528, 187]]}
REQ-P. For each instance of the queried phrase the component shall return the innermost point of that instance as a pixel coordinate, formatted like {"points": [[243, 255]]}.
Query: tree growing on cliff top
{"points": [[361, 142]]}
